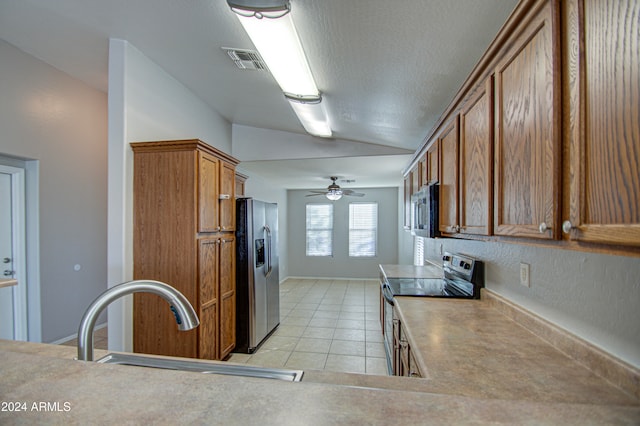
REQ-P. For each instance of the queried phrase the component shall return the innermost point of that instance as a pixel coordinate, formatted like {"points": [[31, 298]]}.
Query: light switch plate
{"points": [[525, 274]]}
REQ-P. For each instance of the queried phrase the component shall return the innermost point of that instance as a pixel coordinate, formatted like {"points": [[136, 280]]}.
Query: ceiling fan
{"points": [[334, 192]]}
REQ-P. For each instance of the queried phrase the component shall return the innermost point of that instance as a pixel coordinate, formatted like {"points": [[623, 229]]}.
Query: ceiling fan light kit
{"points": [[334, 192], [270, 27]]}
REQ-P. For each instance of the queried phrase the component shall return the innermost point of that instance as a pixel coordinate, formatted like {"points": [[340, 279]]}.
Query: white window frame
{"points": [[353, 229]]}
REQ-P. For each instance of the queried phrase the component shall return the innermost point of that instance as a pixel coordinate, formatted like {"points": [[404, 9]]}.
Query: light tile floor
{"points": [[325, 325]]}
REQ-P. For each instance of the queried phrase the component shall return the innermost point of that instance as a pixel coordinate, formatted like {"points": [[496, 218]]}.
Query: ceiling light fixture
{"points": [[311, 113], [334, 192], [334, 195], [270, 27]]}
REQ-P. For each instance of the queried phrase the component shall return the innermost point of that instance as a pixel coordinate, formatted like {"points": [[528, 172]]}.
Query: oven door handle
{"points": [[386, 292]]}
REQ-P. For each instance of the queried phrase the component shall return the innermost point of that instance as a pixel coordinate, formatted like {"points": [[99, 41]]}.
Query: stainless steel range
{"points": [[463, 277]]}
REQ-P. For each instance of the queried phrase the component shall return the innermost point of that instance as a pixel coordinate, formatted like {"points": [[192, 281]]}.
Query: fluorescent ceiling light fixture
{"points": [[260, 8], [270, 27], [278, 43], [312, 115]]}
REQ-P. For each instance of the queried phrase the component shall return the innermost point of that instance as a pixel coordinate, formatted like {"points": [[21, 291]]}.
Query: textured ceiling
{"points": [[387, 69]]}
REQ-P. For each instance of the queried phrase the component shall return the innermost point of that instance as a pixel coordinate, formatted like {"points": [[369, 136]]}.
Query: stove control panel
{"points": [[460, 266]]}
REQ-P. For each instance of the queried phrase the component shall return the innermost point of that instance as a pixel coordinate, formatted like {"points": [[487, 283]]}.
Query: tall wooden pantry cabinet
{"points": [[184, 235]]}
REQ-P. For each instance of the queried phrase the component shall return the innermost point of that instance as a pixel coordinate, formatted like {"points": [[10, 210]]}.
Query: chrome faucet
{"points": [[186, 316]]}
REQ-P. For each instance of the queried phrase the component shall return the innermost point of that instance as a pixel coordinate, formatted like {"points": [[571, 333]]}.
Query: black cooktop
{"points": [[463, 278]]}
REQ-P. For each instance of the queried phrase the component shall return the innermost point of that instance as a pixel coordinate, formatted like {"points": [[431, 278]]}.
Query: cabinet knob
{"points": [[567, 226], [224, 197], [6, 260], [544, 228], [8, 273]]}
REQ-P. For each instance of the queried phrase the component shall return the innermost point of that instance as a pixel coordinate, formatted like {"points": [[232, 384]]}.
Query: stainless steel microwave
{"points": [[424, 212]]}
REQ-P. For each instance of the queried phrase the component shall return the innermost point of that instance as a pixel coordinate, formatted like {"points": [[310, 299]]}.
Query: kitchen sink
{"points": [[202, 367]]}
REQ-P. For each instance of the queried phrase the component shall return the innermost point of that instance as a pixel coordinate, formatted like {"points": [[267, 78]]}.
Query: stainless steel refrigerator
{"points": [[257, 277]]}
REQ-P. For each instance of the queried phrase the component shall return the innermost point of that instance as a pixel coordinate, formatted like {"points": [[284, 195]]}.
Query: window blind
{"points": [[319, 228], [363, 229]]}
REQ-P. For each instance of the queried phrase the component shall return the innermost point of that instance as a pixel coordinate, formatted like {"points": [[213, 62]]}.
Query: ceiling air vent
{"points": [[246, 59]]}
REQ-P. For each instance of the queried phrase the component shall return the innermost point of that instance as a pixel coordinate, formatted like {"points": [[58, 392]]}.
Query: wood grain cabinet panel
{"points": [[177, 240], [209, 182], [604, 121], [527, 144], [227, 295], [476, 162], [449, 183], [407, 202], [433, 162], [227, 197], [208, 341]]}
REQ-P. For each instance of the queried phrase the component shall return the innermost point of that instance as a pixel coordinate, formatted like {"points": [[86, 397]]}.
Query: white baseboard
{"points": [[75, 335]]}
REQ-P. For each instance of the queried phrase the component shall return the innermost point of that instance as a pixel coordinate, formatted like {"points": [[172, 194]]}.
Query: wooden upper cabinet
{"points": [[476, 162], [603, 96], [227, 197], [240, 183], [433, 163], [416, 178], [208, 193], [527, 129], [407, 202], [449, 183]]}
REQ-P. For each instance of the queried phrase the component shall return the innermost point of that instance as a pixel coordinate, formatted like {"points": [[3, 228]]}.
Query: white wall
{"points": [[145, 104], [340, 264], [60, 123], [261, 189], [594, 296]]}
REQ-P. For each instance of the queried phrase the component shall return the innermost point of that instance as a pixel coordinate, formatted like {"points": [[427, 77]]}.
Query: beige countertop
{"points": [[466, 347], [75, 392]]}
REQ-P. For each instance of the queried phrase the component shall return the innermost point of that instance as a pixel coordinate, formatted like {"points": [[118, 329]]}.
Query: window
{"points": [[319, 226], [363, 229]]}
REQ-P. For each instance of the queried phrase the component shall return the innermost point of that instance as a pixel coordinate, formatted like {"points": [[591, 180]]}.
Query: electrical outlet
{"points": [[525, 274]]}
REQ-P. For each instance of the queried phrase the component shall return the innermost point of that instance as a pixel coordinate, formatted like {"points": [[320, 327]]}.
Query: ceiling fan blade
{"points": [[319, 192], [314, 195], [351, 193]]}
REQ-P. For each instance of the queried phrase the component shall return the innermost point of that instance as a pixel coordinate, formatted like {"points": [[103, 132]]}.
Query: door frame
{"points": [[18, 243]]}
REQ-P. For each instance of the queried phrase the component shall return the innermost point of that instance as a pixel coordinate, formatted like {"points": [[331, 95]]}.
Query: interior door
{"points": [[6, 258]]}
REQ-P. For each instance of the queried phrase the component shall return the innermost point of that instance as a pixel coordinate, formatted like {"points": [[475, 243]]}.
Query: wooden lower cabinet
{"points": [[404, 363], [227, 296], [183, 236]]}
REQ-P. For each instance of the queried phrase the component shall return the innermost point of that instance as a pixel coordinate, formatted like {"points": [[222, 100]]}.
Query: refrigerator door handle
{"points": [[268, 244]]}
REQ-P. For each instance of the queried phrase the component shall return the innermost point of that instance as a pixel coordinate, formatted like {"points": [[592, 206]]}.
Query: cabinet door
{"points": [[476, 162], [449, 187], [433, 162], [407, 201], [208, 186], [416, 178], [227, 197], [527, 145], [604, 93], [414, 370], [208, 337], [227, 295]]}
